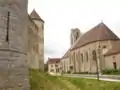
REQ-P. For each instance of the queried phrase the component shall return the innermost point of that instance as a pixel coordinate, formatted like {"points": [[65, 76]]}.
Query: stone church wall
{"points": [[89, 65], [109, 60]]}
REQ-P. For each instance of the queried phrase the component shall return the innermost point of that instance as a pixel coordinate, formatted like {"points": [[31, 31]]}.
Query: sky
{"points": [[61, 16]]}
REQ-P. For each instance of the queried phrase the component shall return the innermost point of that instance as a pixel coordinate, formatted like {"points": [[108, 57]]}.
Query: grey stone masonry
{"points": [[13, 43]]}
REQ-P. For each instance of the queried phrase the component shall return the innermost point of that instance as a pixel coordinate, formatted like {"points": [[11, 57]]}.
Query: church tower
{"points": [[75, 34], [13, 43]]}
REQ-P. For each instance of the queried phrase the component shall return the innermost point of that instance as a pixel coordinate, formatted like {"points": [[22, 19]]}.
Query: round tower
{"points": [[75, 34], [13, 43]]}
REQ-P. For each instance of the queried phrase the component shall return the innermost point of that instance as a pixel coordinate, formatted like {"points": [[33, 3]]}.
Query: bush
{"points": [[111, 71], [68, 72], [81, 73]]}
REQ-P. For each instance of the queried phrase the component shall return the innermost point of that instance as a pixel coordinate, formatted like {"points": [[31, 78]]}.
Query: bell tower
{"points": [[75, 34], [13, 43]]}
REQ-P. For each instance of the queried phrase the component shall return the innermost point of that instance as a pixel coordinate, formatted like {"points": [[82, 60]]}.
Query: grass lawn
{"points": [[43, 81]]}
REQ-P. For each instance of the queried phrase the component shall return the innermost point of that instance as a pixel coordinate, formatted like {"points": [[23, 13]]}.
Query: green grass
{"points": [[39, 80]]}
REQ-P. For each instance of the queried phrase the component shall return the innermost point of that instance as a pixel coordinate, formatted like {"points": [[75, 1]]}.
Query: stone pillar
{"points": [[13, 43]]}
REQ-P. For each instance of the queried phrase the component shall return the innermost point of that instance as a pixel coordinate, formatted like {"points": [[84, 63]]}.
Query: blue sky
{"points": [[62, 15]]}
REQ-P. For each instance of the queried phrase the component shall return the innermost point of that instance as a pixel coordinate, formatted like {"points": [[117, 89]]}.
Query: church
{"points": [[91, 52]]}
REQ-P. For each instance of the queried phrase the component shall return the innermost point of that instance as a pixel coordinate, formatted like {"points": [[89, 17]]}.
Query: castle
{"points": [[35, 41], [21, 44], [91, 52]]}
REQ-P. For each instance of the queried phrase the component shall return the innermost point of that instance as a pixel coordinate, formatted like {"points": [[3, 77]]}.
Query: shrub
{"points": [[111, 71], [68, 72], [81, 73]]}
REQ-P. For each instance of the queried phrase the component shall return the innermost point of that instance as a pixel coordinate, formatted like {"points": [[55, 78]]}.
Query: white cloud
{"points": [[62, 15]]}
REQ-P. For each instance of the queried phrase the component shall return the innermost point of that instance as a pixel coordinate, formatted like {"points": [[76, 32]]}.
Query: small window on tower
{"points": [[7, 33], [77, 35]]}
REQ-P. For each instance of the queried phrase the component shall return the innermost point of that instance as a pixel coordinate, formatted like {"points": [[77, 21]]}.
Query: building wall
{"points": [[52, 66], [40, 33], [109, 60], [65, 64], [89, 65], [13, 37], [35, 45]]}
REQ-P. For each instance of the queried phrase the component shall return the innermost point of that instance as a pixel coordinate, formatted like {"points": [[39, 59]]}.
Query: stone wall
{"points": [[13, 40], [40, 33], [90, 64], [109, 60], [35, 45]]}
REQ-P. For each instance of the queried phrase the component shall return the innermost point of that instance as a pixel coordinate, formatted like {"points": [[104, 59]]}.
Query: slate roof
{"points": [[99, 33], [35, 15], [53, 60], [115, 49]]}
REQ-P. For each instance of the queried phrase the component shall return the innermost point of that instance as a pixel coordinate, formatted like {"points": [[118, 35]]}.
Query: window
{"points": [[8, 20], [74, 61], [51, 65], [81, 57], [87, 56], [51, 70], [114, 65], [104, 49], [57, 70], [79, 61], [56, 65], [94, 55]]}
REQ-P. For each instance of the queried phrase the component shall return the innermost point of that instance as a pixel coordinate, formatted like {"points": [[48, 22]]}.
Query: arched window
{"points": [[94, 55], [87, 56], [104, 49], [74, 61], [79, 61], [81, 57]]}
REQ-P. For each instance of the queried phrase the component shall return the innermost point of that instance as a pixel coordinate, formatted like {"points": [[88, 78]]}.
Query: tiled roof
{"points": [[53, 60], [99, 33], [35, 15], [115, 49]]}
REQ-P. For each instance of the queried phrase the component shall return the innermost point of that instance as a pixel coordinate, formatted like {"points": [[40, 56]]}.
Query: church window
{"points": [[87, 56], [74, 62], [81, 57], [94, 55], [104, 49], [115, 65], [8, 20]]}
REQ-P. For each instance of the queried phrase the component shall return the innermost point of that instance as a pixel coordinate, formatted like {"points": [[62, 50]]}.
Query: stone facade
{"points": [[35, 42], [13, 44], [112, 61], [88, 53]]}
